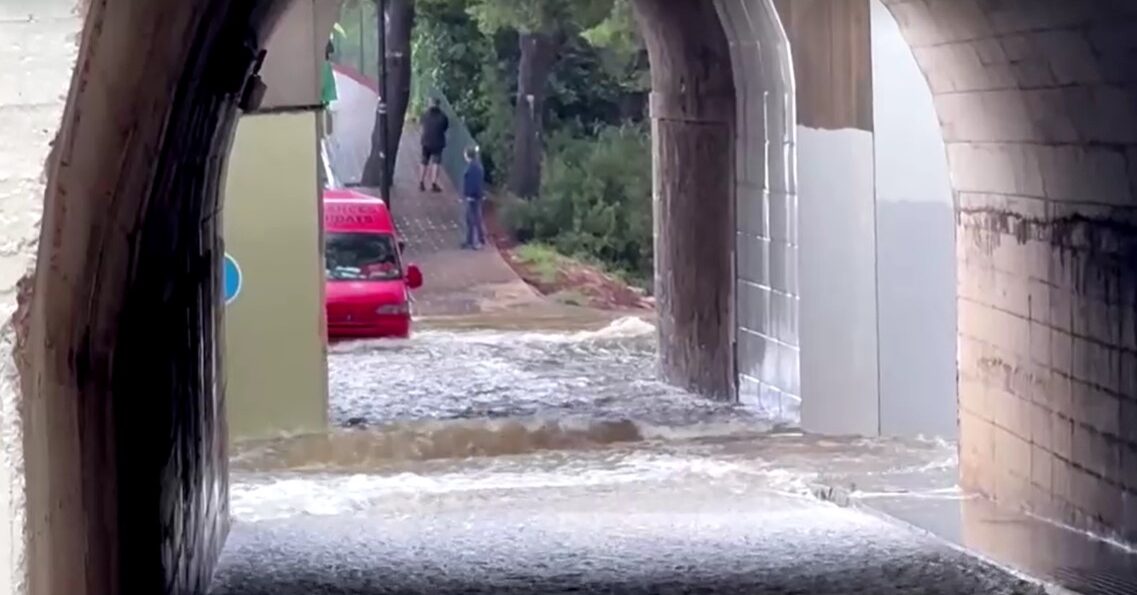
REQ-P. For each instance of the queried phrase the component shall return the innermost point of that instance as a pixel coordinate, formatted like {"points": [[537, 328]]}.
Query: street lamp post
{"points": [[381, 110]]}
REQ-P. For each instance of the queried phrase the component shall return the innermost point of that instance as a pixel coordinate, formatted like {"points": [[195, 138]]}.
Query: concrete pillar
{"points": [[114, 368], [693, 113], [275, 337], [831, 47]]}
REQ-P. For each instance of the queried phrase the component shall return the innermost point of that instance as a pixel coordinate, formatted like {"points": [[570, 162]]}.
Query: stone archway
{"points": [[114, 335], [123, 430], [1037, 106]]}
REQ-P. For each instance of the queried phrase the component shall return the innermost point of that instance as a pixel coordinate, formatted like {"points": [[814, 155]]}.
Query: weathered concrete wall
{"points": [[38, 46], [275, 360], [296, 50], [831, 44], [1038, 108], [693, 136]]}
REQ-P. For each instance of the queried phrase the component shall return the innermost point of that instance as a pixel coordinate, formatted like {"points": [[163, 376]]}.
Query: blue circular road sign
{"points": [[232, 279]]}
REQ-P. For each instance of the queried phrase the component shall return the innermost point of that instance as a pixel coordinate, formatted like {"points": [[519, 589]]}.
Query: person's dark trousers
{"points": [[475, 231]]}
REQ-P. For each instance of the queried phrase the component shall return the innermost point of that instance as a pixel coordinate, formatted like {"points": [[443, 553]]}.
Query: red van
{"points": [[368, 286]]}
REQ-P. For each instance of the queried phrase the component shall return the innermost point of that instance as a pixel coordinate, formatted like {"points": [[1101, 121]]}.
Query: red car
{"points": [[368, 288]]}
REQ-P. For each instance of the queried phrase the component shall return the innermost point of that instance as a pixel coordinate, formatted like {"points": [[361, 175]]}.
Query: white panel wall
{"points": [[838, 282], [878, 261], [915, 220]]}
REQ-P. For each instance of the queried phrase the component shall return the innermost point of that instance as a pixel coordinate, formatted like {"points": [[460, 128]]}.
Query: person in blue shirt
{"points": [[473, 195]]}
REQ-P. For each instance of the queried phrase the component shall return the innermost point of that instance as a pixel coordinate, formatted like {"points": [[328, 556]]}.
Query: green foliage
{"points": [[477, 72], [543, 259], [453, 56], [530, 16], [617, 32], [357, 45], [621, 47], [595, 200], [589, 89]]}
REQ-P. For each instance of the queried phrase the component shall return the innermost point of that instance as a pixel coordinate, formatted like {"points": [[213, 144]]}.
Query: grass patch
{"points": [[542, 259], [572, 298]]}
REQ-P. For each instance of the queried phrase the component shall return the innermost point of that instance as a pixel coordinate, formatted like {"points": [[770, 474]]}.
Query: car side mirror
{"points": [[414, 276], [402, 246]]}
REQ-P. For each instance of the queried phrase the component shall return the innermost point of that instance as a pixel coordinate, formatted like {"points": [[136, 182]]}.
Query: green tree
{"points": [[543, 26], [595, 200], [618, 32], [454, 57], [355, 47]]}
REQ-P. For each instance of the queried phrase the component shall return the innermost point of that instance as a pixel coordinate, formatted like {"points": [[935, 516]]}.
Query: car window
{"points": [[361, 257]]}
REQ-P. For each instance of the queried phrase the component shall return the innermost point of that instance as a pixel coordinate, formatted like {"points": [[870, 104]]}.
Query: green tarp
{"points": [[328, 86]]}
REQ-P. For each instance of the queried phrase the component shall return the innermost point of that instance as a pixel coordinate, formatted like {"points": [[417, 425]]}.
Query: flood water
{"points": [[457, 405], [463, 459], [487, 373]]}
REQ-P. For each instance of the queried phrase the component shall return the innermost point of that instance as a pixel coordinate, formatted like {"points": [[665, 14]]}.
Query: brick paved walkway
{"points": [[457, 282]]}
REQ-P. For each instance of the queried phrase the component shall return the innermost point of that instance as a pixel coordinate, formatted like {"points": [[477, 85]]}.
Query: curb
{"points": [[842, 497]]}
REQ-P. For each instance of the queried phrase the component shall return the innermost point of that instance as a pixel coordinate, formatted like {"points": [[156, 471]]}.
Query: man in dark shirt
{"points": [[434, 127], [473, 195]]}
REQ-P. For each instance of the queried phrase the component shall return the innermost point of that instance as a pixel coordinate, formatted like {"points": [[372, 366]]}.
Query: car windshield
{"points": [[361, 257]]}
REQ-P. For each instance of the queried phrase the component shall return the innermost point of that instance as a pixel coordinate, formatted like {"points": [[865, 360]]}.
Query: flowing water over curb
{"points": [[484, 410], [475, 456], [601, 374]]}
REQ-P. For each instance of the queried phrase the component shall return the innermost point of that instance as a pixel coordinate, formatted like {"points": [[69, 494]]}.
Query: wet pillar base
{"points": [[692, 110]]}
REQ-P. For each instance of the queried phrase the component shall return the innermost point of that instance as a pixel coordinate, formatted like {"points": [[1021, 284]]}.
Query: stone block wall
{"points": [[1037, 100]]}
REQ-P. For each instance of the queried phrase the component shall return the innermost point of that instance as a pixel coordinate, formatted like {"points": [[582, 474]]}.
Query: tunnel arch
{"points": [[725, 203], [1036, 102], [765, 285], [124, 432]]}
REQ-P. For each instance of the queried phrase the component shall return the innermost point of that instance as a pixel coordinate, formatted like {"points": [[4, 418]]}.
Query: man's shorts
{"points": [[431, 155]]}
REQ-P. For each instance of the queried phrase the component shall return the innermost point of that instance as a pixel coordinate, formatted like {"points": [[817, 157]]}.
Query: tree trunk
{"points": [[400, 24], [400, 20], [538, 55]]}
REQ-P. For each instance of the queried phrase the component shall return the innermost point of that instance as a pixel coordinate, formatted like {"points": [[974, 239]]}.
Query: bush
{"points": [[595, 200]]}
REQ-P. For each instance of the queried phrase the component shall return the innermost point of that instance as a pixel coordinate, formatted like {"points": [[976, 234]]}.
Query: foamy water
{"points": [[790, 464], [609, 373], [467, 416]]}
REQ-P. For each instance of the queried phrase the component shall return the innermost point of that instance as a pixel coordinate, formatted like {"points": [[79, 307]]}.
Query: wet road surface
{"points": [[539, 462], [644, 538]]}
